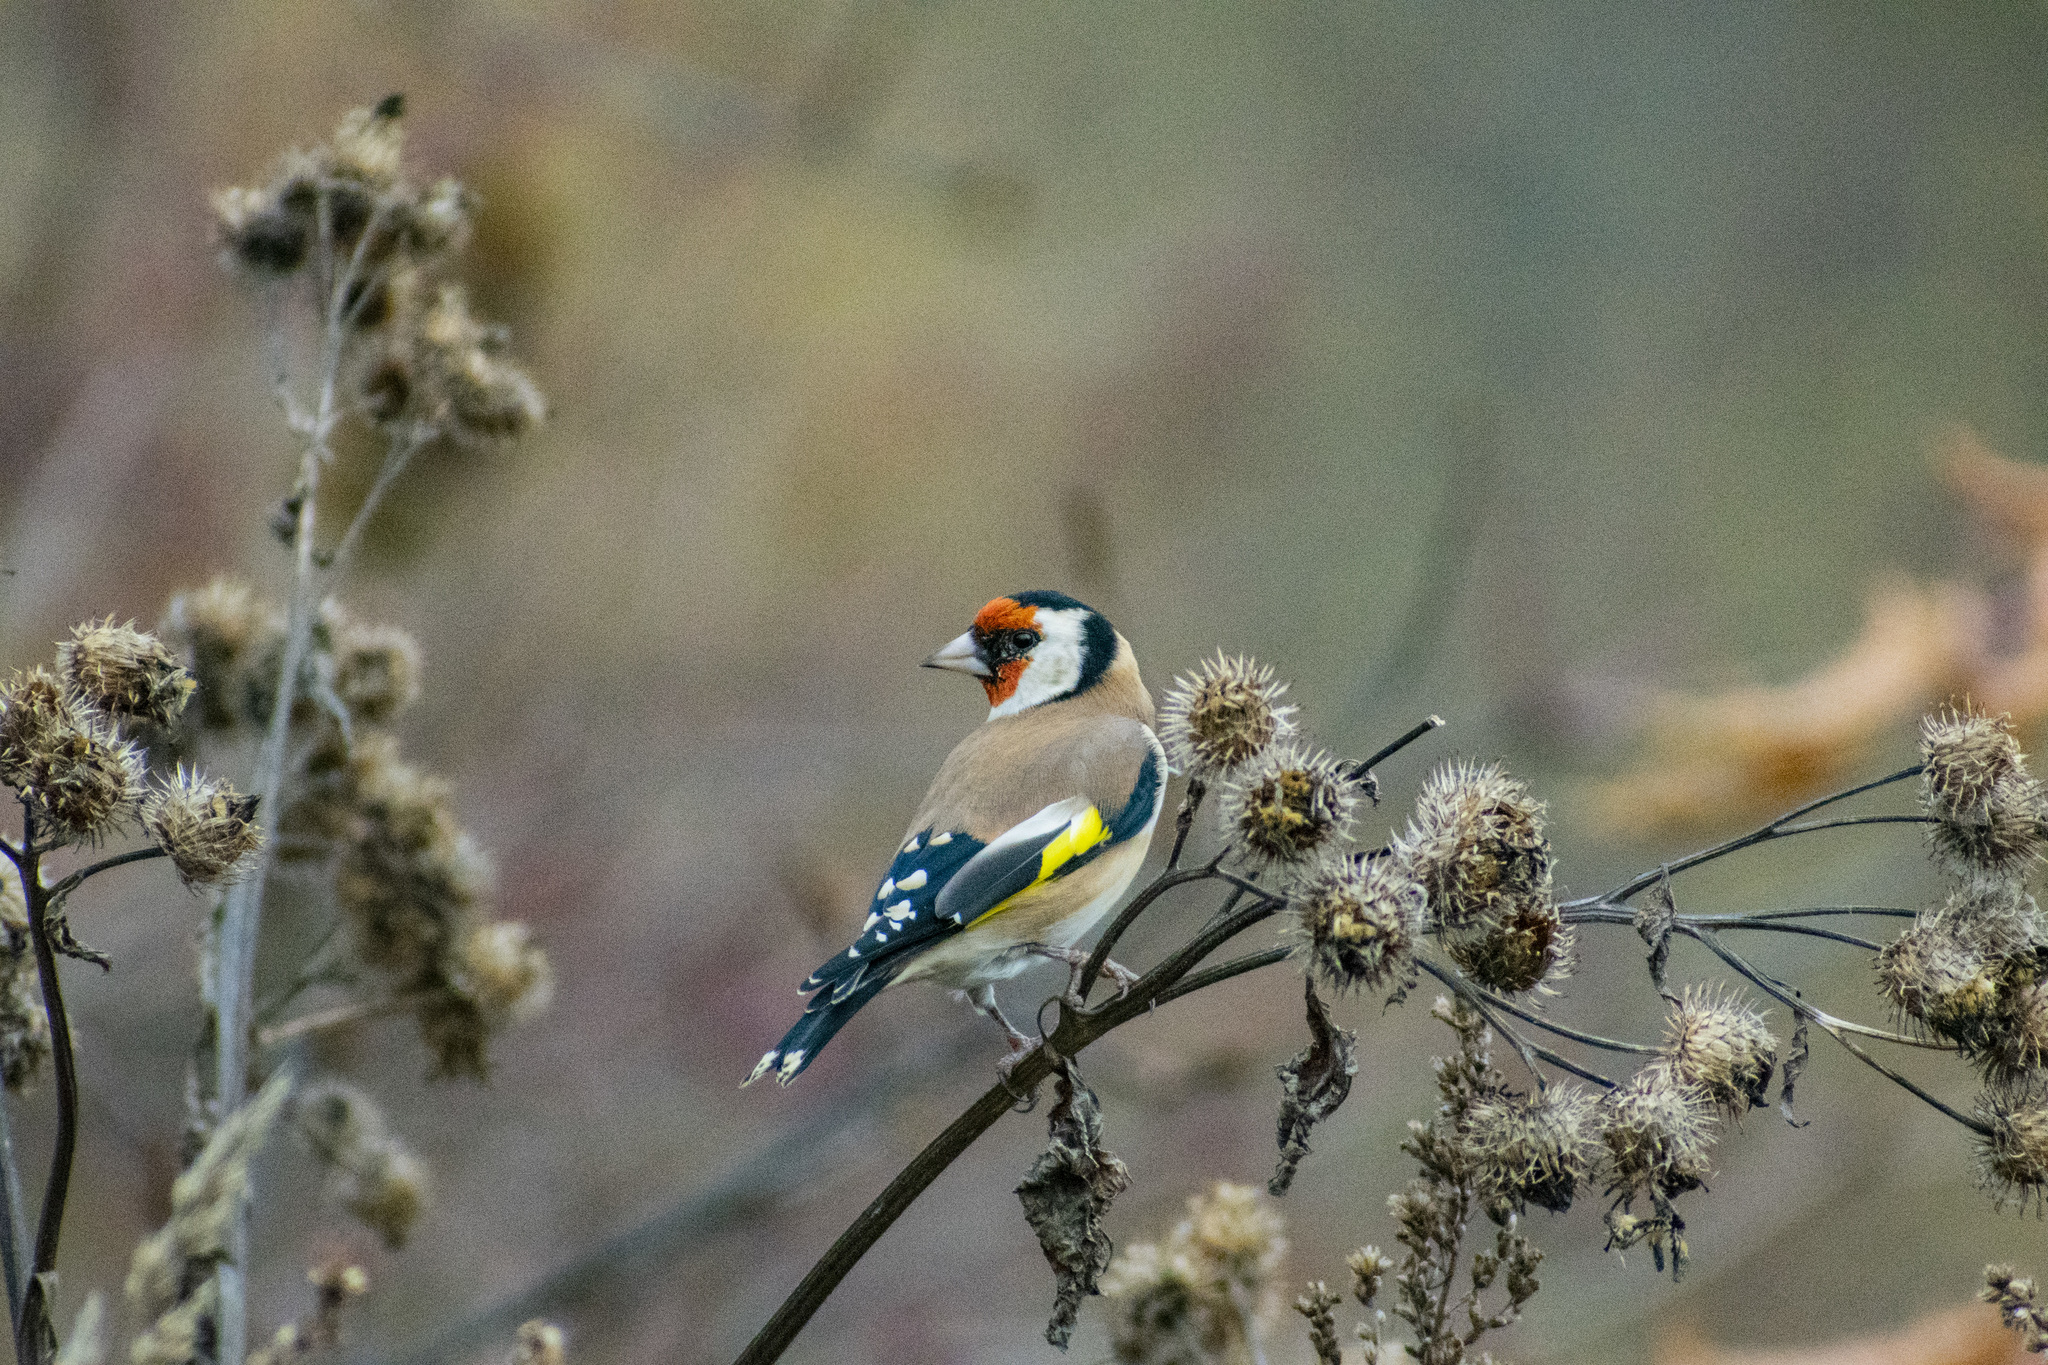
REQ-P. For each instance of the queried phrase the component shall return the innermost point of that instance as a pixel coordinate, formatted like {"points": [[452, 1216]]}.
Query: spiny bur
{"points": [[1987, 810], [1287, 806], [1221, 716], [124, 672], [208, 828], [2012, 1159], [1717, 1041], [1533, 1150], [1658, 1130], [1360, 921]]}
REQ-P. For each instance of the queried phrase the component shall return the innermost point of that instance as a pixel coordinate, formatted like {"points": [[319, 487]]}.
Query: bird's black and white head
{"points": [[1031, 648]]}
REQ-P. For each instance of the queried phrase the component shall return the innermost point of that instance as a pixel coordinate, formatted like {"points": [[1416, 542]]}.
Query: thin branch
{"points": [[1421, 728], [1779, 828], [34, 1339], [1829, 1023], [1606, 915], [1223, 971], [1551, 1026], [396, 459], [1184, 819], [1128, 916], [11, 1204], [349, 1013], [63, 889], [14, 855], [1474, 998]]}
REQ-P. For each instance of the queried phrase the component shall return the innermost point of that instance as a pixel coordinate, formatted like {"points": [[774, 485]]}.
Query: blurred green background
{"points": [[1499, 361]]}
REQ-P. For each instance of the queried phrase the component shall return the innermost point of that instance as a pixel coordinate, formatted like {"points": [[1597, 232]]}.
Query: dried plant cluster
{"points": [[353, 258], [1464, 889]]}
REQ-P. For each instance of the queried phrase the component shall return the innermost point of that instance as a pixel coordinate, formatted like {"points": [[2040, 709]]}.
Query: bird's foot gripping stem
{"points": [[1077, 962]]}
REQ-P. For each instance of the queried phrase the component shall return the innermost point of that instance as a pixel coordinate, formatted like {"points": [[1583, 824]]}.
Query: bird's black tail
{"points": [[824, 1016]]}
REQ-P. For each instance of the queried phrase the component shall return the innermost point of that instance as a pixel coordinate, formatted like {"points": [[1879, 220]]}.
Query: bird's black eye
{"points": [[1024, 641]]}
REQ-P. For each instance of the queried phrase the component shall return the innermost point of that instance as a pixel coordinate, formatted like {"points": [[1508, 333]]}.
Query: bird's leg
{"points": [[1077, 960], [983, 999]]}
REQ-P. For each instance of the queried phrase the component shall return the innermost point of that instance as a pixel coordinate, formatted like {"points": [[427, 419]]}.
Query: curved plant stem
{"points": [[35, 1342], [1780, 828], [63, 889], [1551, 1026], [1834, 1027]]}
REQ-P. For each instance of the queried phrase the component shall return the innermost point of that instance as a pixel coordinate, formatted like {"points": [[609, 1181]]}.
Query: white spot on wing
{"points": [[853, 952], [938, 840], [911, 847], [913, 881], [873, 920], [888, 887]]}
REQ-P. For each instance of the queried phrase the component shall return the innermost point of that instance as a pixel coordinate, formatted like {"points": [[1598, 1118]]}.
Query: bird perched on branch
{"points": [[1034, 826]]}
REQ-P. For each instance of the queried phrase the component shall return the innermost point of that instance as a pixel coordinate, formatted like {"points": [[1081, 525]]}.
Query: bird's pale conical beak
{"points": [[962, 656]]}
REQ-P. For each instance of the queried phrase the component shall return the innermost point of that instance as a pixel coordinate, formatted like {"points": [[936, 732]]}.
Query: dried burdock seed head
{"points": [[124, 672], [2015, 1046], [1157, 1316], [1531, 947], [1951, 971], [1717, 1041], [1360, 921], [220, 632], [84, 781], [2012, 1161], [1988, 810], [540, 1343], [208, 828], [1534, 1150], [2017, 1305], [1658, 1130], [1222, 715], [376, 668], [35, 714], [1476, 844], [370, 1172], [506, 973], [1288, 806]]}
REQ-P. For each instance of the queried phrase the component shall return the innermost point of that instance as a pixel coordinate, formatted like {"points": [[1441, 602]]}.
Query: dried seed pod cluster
{"points": [[1476, 845], [1988, 810], [62, 748], [1202, 1292], [1361, 920], [1221, 716], [1533, 1150], [346, 217], [1288, 806], [1718, 1042]]}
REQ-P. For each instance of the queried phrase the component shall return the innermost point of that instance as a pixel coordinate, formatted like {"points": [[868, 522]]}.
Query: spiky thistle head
{"points": [[1360, 919], [1988, 810], [1222, 715], [1658, 1130], [70, 763], [1533, 1150], [124, 672], [2012, 1159], [1718, 1041], [1476, 844], [1951, 970], [1288, 806], [208, 828]]}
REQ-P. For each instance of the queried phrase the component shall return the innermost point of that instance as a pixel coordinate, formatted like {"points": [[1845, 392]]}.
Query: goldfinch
{"points": [[1033, 828]]}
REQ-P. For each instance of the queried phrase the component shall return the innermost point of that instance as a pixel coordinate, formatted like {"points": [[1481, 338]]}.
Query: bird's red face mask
{"points": [[996, 648]]}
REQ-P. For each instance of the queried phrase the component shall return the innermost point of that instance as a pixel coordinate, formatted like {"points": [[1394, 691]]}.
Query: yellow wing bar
{"points": [[1084, 832]]}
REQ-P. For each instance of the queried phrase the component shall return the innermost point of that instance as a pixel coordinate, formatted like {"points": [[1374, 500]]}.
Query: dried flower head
{"points": [[208, 828], [370, 1171], [124, 672], [221, 632], [1532, 1150], [1360, 920], [409, 878], [1191, 1299], [376, 668], [1717, 1041], [1532, 947], [2012, 1160], [2018, 1306], [506, 973], [1476, 844], [71, 763], [1658, 1130], [1234, 1236], [1951, 971], [1287, 806], [450, 375], [35, 714], [1369, 1266], [1223, 715], [2015, 1047], [1988, 810]]}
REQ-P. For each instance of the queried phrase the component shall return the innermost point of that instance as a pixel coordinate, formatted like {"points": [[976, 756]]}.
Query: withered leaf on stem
{"points": [[1312, 1086], [1789, 1069], [1653, 922], [1065, 1196]]}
